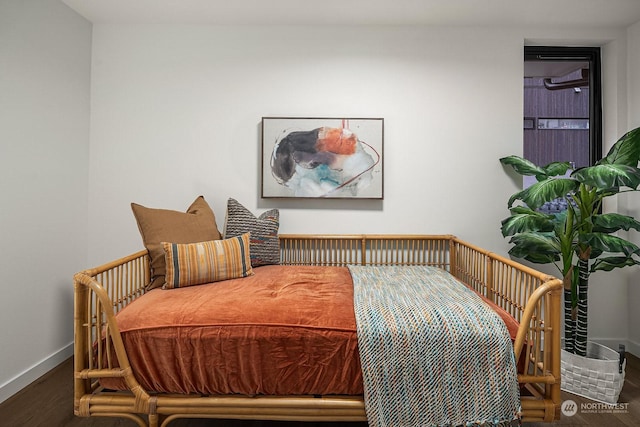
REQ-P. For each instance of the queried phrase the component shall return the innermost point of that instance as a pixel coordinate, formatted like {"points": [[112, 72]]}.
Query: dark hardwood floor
{"points": [[48, 402]]}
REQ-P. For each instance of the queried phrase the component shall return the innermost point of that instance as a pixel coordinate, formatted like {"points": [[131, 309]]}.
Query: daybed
{"points": [[103, 360]]}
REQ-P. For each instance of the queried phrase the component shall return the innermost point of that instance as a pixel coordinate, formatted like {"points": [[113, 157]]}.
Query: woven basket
{"points": [[596, 376]]}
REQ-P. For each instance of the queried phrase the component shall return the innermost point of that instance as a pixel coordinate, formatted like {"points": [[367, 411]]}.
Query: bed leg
{"points": [[154, 418]]}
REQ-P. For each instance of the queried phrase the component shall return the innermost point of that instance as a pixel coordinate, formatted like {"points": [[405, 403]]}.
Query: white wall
{"points": [[44, 132], [633, 299], [176, 113]]}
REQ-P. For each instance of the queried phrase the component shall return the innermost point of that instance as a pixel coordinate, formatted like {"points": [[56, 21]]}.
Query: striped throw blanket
{"points": [[432, 352]]}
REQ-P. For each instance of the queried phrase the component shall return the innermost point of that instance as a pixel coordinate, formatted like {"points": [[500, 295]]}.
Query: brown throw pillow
{"points": [[198, 224]]}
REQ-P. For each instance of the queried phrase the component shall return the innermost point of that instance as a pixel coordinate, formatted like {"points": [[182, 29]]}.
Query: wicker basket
{"points": [[599, 376]]}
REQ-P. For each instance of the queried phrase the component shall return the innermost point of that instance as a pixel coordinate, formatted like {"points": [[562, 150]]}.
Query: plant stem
{"points": [[566, 249], [582, 319], [569, 323]]}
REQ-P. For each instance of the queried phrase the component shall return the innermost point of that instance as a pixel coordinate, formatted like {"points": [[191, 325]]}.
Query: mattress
{"points": [[286, 330]]}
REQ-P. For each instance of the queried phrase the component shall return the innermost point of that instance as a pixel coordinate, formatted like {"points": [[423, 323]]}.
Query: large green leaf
{"points": [[540, 248], [607, 243], [523, 219], [612, 222], [557, 168], [545, 191], [595, 253], [522, 166], [626, 151], [607, 176], [609, 263], [528, 168]]}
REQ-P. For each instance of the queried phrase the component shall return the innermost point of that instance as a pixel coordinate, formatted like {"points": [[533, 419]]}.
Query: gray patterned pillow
{"points": [[264, 247]]}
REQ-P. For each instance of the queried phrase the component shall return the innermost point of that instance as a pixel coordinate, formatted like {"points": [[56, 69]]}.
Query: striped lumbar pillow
{"points": [[191, 264], [265, 246]]}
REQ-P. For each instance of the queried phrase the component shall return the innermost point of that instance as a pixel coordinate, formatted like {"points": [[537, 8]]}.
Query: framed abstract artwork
{"points": [[311, 157]]}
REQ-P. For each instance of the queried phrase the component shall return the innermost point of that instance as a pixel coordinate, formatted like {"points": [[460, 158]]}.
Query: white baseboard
{"points": [[22, 380], [633, 347]]}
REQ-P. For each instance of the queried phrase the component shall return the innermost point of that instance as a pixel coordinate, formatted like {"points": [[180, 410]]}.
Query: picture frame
{"points": [[322, 157]]}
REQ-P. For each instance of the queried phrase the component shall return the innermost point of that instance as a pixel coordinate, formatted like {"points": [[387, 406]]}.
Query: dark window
{"points": [[563, 104]]}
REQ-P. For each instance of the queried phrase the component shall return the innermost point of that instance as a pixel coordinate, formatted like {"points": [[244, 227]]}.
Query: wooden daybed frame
{"points": [[531, 297]]}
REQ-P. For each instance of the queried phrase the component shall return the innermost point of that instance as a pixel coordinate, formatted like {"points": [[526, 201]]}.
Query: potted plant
{"points": [[580, 239]]}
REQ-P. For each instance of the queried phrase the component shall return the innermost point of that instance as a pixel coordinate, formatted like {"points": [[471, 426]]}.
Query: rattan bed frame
{"points": [[531, 297]]}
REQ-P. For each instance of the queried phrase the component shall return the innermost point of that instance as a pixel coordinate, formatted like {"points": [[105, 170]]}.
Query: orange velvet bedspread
{"points": [[287, 330], [270, 333]]}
